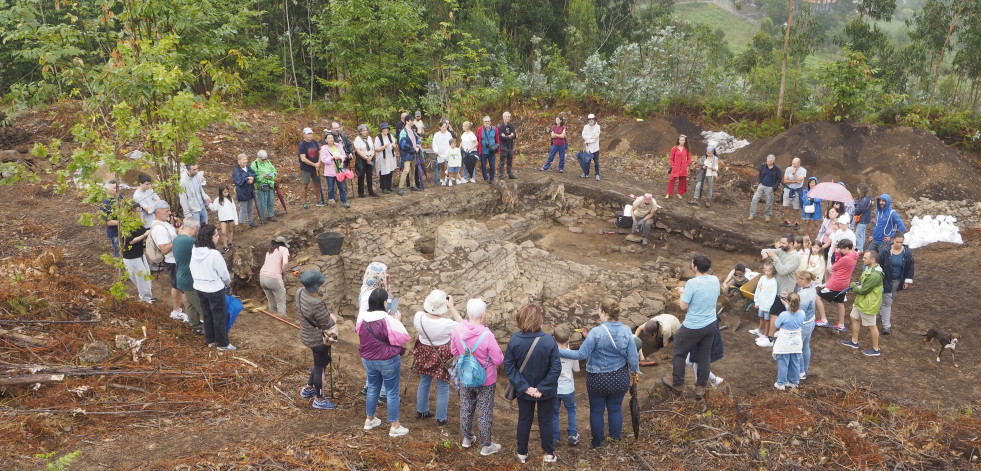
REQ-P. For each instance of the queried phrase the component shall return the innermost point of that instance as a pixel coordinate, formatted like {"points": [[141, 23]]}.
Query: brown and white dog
{"points": [[947, 341]]}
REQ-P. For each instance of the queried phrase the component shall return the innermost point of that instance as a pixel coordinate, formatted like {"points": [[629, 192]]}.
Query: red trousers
{"points": [[682, 185]]}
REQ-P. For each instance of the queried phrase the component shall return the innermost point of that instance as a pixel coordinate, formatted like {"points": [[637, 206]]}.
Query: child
{"points": [[454, 160], [735, 280], [227, 214], [814, 260], [812, 207], [566, 391], [766, 293], [788, 347]]}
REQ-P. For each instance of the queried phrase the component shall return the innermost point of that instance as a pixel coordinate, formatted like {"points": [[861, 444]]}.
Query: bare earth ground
{"points": [[254, 417]]}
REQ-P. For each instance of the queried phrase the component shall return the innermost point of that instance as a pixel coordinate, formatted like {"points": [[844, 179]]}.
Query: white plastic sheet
{"points": [[930, 229], [724, 142]]}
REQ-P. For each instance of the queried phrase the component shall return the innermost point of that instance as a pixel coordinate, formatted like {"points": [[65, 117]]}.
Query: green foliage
{"points": [[63, 462], [581, 32], [849, 84], [754, 129]]}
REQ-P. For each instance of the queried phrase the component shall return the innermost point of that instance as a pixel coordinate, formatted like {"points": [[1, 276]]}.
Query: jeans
{"points": [[442, 396], [215, 317], [407, 167], [885, 312], [684, 340], [570, 408], [644, 227], [613, 405], [138, 271], [551, 155], [595, 163], [860, 236], [245, 212], [487, 162], [760, 191], [275, 293], [321, 358], [204, 213], [805, 336], [389, 373], [420, 181], [341, 187], [526, 414], [115, 246], [708, 182], [788, 368], [507, 157], [267, 207]]}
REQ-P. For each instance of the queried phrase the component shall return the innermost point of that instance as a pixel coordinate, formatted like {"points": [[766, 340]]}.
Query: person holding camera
{"points": [[431, 352], [382, 338], [489, 144], [315, 318]]}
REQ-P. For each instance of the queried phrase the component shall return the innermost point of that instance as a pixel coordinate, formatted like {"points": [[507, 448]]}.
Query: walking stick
{"points": [[330, 370]]}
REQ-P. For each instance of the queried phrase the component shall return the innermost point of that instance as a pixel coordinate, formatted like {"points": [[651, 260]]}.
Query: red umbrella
{"points": [[833, 191]]}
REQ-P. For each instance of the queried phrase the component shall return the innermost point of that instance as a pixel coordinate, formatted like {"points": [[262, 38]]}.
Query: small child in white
{"points": [[566, 391], [765, 295], [224, 205], [454, 160]]}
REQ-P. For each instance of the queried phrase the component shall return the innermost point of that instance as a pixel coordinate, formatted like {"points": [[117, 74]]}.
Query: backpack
{"points": [[152, 251], [471, 373]]}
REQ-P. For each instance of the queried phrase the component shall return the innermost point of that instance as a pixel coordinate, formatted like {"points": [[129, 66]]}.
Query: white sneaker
{"points": [[718, 381], [490, 450], [473, 180], [803, 376], [780, 386], [522, 458], [228, 348], [397, 432], [764, 341], [467, 441], [756, 332], [372, 423], [178, 315], [551, 458], [449, 183], [459, 181]]}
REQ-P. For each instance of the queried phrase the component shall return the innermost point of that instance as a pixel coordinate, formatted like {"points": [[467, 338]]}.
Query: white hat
{"points": [[435, 303], [591, 116], [844, 219], [307, 131]]}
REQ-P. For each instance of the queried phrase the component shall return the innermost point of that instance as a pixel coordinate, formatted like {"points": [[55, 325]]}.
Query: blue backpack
{"points": [[469, 370]]}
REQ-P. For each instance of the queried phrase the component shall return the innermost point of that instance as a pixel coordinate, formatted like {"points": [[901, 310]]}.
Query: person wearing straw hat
{"points": [[271, 274], [431, 351], [314, 318]]}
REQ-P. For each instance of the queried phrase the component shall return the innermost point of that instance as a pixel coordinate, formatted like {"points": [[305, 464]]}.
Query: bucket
{"points": [[330, 242]]}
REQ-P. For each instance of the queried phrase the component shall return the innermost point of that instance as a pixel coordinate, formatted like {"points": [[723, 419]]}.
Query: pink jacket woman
{"points": [[328, 156]]}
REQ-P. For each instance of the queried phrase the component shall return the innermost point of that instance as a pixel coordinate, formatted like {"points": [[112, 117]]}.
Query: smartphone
{"points": [[393, 306]]}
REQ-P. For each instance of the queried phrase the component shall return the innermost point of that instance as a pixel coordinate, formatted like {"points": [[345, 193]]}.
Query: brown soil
{"points": [[901, 161], [248, 422]]}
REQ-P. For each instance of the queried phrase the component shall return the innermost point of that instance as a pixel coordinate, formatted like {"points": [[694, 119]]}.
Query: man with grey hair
{"points": [[506, 130], [488, 145], [183, 245], [793, 182], [767, 181], [163, 234], [340, 138]]}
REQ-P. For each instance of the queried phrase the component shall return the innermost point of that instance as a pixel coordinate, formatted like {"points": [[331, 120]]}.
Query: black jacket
{"points": [[885, 261]]}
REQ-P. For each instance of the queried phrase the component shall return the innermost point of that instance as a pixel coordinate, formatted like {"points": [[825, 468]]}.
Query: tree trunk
{"points": [[943, 50], [783, 66]]}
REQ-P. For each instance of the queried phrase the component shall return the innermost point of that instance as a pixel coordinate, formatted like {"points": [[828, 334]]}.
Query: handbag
{"points": [[509, 392], [447, 363], [809, 209], [328, 336]]}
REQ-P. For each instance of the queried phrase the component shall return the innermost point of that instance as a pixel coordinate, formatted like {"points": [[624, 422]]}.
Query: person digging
{"points": [[643, 216]]}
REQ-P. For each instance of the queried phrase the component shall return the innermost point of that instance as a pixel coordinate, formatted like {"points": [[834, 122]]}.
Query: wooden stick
{"points": [[25, 321], [32, 379]]}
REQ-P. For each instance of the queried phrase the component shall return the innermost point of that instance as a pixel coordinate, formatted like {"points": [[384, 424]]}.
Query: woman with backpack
{"points": [[476, 347], [611, 356], [532, 363], [382, 337], [431, 352]]}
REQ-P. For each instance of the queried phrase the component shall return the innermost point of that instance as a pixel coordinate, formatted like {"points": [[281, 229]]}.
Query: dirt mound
{"points": [[900, 161], [652, 136]]}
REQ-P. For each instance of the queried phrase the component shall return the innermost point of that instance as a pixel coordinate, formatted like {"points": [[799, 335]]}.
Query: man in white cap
{"points": [[590, 138], [163, 233], [309, 151], [643, 214]]}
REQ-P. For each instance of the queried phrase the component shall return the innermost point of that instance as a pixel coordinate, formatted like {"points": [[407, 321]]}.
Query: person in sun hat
{"points": [[590, 138], [432, 349], [314, 317]]}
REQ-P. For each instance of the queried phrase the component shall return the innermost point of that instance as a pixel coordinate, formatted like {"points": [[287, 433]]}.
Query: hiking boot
{"points": [[322, 403], [668, 381], [785, 223], [693, 202], [849, 343], [872, 352], [700, 393], [399, 192], [307, 392], [490, 449]]}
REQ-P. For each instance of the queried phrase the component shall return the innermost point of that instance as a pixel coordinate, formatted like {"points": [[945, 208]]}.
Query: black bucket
{"points": [[330, 242]]}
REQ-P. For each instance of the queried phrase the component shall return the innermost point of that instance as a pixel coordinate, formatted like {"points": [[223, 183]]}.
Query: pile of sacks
{"points": [[931, 229]]}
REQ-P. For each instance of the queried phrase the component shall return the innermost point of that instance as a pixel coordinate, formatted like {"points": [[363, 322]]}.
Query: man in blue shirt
{"points": [[698, 298], [769, 180]]}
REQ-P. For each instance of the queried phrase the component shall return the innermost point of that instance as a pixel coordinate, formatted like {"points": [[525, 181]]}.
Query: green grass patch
{"points": [[739, 32]]}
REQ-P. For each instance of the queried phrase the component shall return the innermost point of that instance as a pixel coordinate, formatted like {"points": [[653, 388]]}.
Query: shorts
{"points": [[868, 320], [833, 296], [172, 273], [440, 159], [228, 220], [453, 169], [306, 177], [787, 200], [638, 342], [764, 314]]}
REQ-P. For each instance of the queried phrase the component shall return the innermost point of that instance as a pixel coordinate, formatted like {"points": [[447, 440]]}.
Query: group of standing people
{"points": [[559, 143]]}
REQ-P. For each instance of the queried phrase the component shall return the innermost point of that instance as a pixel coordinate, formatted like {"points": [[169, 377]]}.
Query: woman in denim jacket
{"points": [[610, 357]]}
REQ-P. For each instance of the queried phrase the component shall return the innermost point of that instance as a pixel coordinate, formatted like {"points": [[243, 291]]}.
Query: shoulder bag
{"points": [[509, 392], [448, 363]]}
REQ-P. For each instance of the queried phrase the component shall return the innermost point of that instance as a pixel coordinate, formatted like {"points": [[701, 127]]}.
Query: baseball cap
{"points": [[591, 116], [307, 131]]}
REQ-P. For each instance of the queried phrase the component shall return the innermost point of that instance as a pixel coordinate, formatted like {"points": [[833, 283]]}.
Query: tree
{"points": [[849, 86], [783, 65], [581, 32]]}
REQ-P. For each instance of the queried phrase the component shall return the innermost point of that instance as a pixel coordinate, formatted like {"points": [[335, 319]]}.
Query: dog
{"points": [[947, 341]]}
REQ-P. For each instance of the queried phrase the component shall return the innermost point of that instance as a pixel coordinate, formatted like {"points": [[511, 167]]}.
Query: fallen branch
{"points": [[25, 321], [32, 379]]}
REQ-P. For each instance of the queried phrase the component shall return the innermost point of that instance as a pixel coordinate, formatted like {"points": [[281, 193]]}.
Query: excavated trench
{"points": [[540, 243]]}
